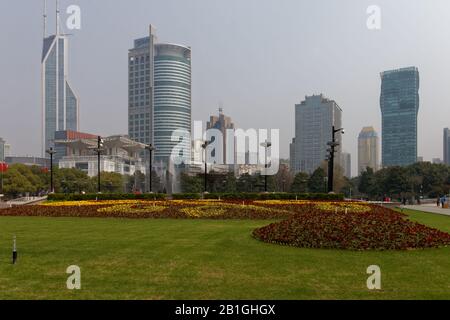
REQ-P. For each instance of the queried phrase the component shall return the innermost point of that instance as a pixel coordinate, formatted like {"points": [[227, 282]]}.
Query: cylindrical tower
{"points": [[172, 98]]}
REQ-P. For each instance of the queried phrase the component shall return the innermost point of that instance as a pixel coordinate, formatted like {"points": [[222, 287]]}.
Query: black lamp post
{"points": [[99, 149], [332, 150], [204, 146], [51, 152], [266, 145], [150, 148]]}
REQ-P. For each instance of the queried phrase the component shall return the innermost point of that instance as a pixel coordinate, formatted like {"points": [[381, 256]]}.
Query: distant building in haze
{"points": [[314, 119], [368, 150], [399, 103], [346, 164], [446, 150], [222, 123]]}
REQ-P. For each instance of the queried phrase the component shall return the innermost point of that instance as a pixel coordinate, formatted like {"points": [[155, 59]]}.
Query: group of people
{"points": [[441, 201]]}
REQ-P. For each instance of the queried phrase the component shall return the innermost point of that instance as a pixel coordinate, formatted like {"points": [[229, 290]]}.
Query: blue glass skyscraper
{"points": [[399, 103]]}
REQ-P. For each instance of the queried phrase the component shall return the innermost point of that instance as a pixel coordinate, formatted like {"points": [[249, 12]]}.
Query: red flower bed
{"points": [[377, 229]]}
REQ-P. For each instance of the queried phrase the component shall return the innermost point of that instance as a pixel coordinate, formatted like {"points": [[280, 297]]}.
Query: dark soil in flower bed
{"points": [[377, 229]]}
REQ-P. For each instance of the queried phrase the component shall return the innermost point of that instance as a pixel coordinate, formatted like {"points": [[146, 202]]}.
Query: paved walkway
{"points": [[429, 208]]}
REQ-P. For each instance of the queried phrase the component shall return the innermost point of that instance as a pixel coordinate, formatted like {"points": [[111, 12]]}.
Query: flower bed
{"points": [[308, 224], [177, 209], [377, 229]]}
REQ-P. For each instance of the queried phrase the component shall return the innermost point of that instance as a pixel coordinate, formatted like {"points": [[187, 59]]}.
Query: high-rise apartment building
{"points": [[446, 146], [314, 120], [60, 109], [399, 103], [368, 150], [159, 94]]}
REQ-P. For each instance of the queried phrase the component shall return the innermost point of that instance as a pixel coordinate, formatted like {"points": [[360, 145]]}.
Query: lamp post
{"points": [[332, 150], [51, 152], [204, 146], [150, 148], [266, 145], [99, 149]]}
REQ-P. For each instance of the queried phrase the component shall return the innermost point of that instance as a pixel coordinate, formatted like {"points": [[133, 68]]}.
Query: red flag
{"points": [[3, 167]]}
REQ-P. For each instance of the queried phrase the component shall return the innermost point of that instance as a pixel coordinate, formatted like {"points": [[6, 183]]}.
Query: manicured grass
{"points": [[202, 259]]}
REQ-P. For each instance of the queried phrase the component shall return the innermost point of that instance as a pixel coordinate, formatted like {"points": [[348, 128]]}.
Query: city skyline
{"points": [[357, 92]]}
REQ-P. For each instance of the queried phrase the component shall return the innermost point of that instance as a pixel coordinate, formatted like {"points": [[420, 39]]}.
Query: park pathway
{"points": [[431, 208]]}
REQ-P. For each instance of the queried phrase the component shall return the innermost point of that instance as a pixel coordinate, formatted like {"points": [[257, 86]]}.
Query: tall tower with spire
{"points": [[60, 106]]}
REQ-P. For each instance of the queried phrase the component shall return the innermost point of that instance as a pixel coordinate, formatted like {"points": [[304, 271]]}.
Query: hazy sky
{"points": [[257, 57]]}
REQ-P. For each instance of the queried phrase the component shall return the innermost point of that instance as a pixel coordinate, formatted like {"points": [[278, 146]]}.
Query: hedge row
{"points": [[261, 196], [193, 196], [105, 196]]}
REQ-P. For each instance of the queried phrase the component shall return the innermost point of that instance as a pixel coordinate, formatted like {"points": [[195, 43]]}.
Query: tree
{"points": [[283, 179], [15, 184], [367, 182], [191, 184], [300, 184], [110, 182], [72, 181], [317, 182]]}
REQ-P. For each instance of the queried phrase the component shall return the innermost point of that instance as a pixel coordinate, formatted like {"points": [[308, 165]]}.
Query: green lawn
{"points": [[202, 259]]}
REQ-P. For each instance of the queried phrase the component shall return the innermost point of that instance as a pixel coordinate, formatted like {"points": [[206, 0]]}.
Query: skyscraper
{"points": [[141, 88], [314, 119], [346, 164], [368, 150], [446, 146], [221, 123], [159, 94], [399, 103], [60, 109], [172, 98]]}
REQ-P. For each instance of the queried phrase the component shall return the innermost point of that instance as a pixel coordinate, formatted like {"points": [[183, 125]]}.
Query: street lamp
{"points": [[99, 150], [332, 150], [266, 145], [51, 152], [150, 148], [204, 146]]}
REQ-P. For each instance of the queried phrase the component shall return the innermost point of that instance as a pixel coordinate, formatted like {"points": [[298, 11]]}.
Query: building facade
{"points": [[172, 99], [159, 95], [120, 155], [399, 103], [314, 120], [446, 149], [60, 108], [140, 93], [61, 139], [368, 150]]}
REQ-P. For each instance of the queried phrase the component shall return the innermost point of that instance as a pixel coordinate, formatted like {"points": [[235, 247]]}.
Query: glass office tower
{"points": [[399, 103], [59, 101], [159, 94]]}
